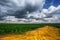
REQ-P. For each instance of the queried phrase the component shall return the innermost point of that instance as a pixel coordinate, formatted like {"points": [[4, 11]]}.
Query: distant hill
{"points": [[44, 33]]}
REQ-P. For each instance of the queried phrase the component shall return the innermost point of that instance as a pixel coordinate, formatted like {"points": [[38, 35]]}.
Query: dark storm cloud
{"points": [[6, 8], [19, 8], [22, 13]]}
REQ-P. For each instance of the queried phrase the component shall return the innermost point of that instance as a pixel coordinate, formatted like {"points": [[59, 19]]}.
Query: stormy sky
{"points": [[19, 8], [30, 9]]}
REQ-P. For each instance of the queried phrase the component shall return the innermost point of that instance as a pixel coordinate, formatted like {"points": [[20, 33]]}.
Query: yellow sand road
{"points": [[44, 33]]}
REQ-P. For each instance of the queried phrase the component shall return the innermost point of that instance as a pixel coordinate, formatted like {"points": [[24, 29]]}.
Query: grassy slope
{"points": [[20, 28]]}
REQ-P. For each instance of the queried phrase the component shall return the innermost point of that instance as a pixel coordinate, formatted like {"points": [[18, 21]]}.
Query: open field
{"points": [[20, 28], [43, 33]]}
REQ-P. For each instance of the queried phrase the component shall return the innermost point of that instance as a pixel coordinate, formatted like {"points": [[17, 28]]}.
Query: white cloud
{"points": [[10, 18], [30, 2], [36, 15], [52, 11], [21, 4]]}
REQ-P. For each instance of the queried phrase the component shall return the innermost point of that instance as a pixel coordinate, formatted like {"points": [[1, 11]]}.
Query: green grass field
{"points": [[20, 28]]}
